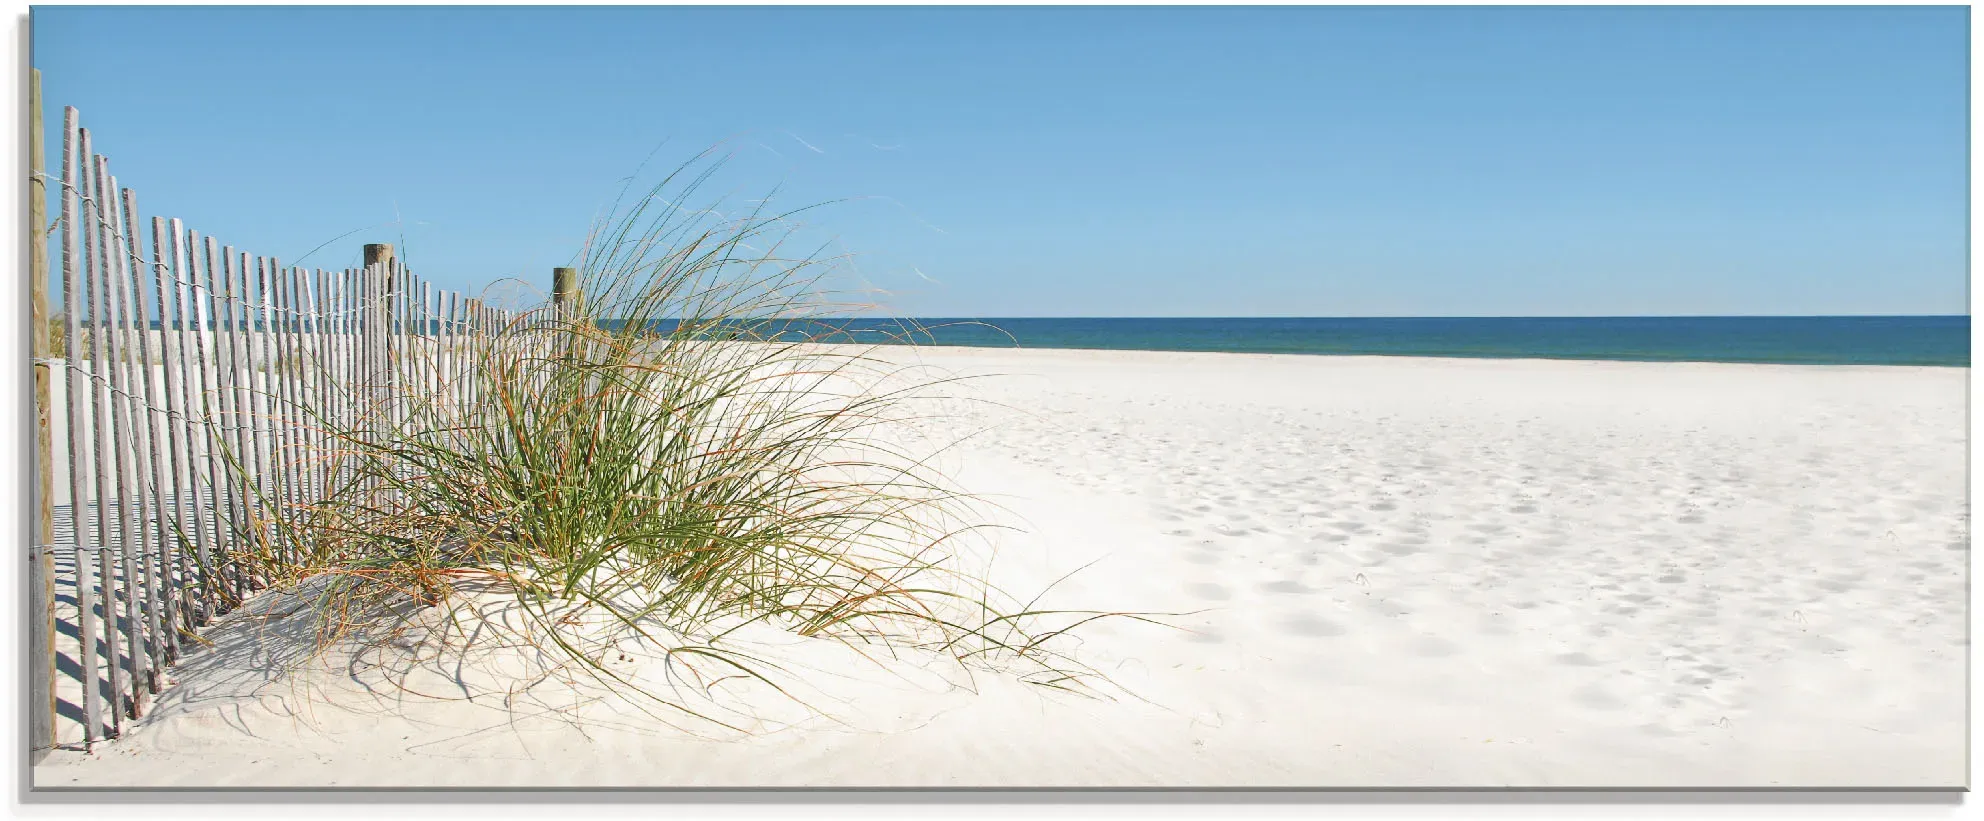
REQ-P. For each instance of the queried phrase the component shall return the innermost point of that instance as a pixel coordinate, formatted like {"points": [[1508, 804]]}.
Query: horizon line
{"points": [[1407, 316]]}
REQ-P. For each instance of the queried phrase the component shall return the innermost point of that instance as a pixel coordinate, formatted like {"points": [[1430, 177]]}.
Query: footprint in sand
{"points": [[1285, 586]]}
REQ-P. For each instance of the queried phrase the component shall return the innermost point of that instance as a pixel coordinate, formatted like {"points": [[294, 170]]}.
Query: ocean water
{"points": [[1819, 340], [1789, 340]]}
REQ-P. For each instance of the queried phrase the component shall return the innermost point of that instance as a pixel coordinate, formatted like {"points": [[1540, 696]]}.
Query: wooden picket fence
{"points": [[200, 388]]}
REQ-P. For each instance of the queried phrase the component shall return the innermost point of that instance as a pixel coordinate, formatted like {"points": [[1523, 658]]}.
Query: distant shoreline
{"points": [[992, 349], [1919, 341]]}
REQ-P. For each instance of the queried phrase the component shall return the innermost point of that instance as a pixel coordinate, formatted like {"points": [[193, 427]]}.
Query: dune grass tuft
{"points": [[695, 447]]}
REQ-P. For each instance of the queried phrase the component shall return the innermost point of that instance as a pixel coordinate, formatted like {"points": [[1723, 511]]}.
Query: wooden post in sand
{"points": [[378, 291], [41, 552], [379, 285], [565, 300], [565, 290], [375, 335], [378, 252], [472, 348]]}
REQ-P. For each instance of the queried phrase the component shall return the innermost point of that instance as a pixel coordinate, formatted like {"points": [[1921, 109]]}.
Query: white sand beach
{"points": [[1398, 573]]}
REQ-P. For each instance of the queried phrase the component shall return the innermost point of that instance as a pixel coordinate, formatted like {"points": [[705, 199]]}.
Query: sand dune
{"points": [[1400, 572]]}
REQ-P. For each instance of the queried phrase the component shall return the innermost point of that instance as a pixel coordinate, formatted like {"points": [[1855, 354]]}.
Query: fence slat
{"points": [[198, 416], [219, 404], [275, 327], [320, 308], [357, 390], [317, 283], [262, 384], [430, 327], [407, 336], [255, 336], [41, 556], [347, 359], [423, 315], [293, 369], [372, 337], [309, 369], [451, 374], [262, 387], [251, 422], [109, 541], [124, 460], [170, 323], [133, 373], [289, 339], [151, 404], [77, 408], [235, 382]]}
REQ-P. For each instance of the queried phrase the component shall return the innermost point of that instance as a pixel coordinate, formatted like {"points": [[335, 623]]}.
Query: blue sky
{"points": [[1086, 161]]}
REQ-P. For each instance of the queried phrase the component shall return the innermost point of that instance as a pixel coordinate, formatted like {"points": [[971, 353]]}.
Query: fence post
{"points": [[378, 314], [379, 276], [376, 341], [565, 302], [565, 289], [377, 252], [41, 548]]}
